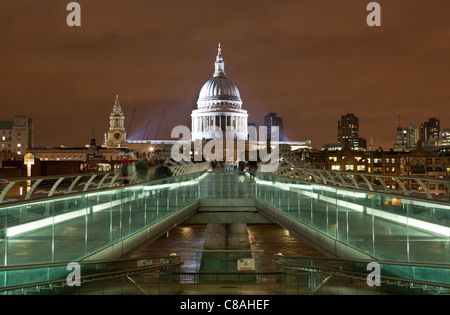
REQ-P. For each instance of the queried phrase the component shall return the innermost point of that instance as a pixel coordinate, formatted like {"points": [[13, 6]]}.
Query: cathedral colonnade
{"points": [[212, 125]]}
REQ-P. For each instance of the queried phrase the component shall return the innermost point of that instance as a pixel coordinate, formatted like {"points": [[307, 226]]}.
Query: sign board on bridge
{"points": [[246, 264], [144, 262]]}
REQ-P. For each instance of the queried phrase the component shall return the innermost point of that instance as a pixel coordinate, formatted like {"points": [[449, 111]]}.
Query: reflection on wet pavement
{"points": [[184, 240]]}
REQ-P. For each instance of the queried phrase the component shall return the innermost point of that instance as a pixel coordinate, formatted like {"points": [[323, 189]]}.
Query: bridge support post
{"points": [[225, 244], [226, 236]]}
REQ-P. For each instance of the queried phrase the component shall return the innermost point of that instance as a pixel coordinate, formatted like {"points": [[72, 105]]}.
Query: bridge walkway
{"points": [[75, 226]]}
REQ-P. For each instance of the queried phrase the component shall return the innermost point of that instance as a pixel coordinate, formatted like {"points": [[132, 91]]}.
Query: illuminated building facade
{"points": [[219, 114], [16, 136], [445, 137], [411, 136], [348, 130], [219, 110], [429, 132]]}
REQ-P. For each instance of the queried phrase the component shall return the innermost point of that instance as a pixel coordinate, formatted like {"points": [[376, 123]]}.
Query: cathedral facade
{"points": [[219, 112]]}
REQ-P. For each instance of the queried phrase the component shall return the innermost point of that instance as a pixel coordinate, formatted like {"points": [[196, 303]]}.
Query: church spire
{"points": [[116, 134], [219, 65], [116, 102], [371, 148]]}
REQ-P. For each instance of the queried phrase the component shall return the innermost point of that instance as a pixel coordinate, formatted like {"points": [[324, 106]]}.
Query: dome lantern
{"points": [[220, 65], [219, 88]]}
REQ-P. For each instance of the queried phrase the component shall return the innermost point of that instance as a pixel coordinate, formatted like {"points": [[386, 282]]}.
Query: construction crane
{"points": [[146, 129], [159, 125], [131, 120]]}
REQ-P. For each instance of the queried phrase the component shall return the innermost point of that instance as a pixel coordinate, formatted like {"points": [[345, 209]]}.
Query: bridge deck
{"points": [[70, 227]]}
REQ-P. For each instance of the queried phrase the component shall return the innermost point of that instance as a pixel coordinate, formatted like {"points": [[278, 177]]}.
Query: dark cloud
{"points": [[309, 61]]}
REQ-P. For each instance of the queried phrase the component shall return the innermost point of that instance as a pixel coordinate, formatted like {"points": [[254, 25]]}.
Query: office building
{"points": [[429, 132], [272, 122]]}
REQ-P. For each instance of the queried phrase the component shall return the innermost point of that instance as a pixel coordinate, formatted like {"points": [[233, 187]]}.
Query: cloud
{"points": [[309, 61]]}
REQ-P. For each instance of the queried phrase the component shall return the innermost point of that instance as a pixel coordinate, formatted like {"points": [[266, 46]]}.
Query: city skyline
{"points": [[310, 63]]}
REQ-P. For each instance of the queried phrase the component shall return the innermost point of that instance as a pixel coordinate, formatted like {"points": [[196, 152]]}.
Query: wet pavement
{"points": [[185, 240]]}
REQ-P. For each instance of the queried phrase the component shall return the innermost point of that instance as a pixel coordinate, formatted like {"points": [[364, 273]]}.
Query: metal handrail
{"points": [[61, 283], [312, 169], [341, 271], [336, 178], [350, 180], [233, 277], [381, 262], [389, 280], [92, 181], [46, 186], [82, 262], [91, 277]]}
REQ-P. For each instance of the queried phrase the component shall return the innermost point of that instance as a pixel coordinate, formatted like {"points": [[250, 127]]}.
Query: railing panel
{"points": [[381, 225], [70, 227]]}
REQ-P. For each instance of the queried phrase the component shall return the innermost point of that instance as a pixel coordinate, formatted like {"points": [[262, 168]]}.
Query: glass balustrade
{"points": [[68, 228], [383, 226]]}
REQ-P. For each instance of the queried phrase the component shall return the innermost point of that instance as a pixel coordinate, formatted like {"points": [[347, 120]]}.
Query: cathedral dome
{"points": [[219, 113], [219, 90]]}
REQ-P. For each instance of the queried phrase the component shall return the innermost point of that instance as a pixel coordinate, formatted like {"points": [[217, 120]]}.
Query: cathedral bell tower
{"points": [[116, 134]]}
